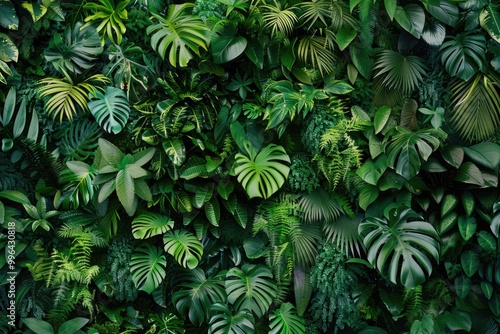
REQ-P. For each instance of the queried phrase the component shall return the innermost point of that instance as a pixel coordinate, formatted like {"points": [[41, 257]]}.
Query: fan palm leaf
{"points": [[400, 72], [318, 205], [344, 233]]}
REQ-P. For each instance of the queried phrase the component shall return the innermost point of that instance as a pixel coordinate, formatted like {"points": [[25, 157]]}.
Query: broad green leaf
{"points": [[446, 12], [381, 117], [250, 287], [76, 51], [179, 33], [411, 18], [225, 188], [392, 301], [195, 167], [372, 170], [367, 195], [490, 20], [20, 122], [111, 109], [175, 149], [470, 262], [286, 320], [8, 16], [227, 47], [8, 50], [406, 149], [424, 326], [125, 190], [263, 174], [148, 267], [434, 32], [223, 320], [494, 304], [457, 320], [36, 10], [38, 326], [361, 60], [255, 53], [454, 155], [467, 227], [436, 116], [72, 326], [469, 173], [486, 154], [344, 36], [9, 106], [287, 54], [390, 7], [401, 246], [184, 247], [212, 211], [338, 87], [149, 224], [15, 196], [463, 54], [487, 242], [241, 214], [448, 204], [462, 286], [203, 193], [196, 293], [487, 289]]}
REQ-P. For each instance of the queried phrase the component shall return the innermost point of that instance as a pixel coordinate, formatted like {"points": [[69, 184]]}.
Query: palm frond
{"points": [[316, 51], [279, 20], [319, 206], [476, 106], [344, 233]]}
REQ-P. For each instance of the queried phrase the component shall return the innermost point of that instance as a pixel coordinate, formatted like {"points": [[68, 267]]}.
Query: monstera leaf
{"points": [[401, 245], [149, 224], [251, 288], [111, 109], [180, 33], [406, 149], [78, 51], [184, 247], [264, 173], [286, 320], [197, 294], [223, 321], [464, 54], [80, 140], [148, 267]]}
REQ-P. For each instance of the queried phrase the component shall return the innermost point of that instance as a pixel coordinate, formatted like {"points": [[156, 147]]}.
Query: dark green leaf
{"points": [[8, 16], [470, 262]]}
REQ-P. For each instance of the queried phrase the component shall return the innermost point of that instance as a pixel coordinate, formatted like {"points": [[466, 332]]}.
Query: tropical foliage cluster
{"points": [[250, 166]]}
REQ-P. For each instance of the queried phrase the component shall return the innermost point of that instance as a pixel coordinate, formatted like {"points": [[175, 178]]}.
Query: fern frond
{"points": [[41, 161], [414, 302]]}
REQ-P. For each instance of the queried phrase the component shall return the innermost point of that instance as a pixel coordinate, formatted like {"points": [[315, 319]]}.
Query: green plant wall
{"points": [[250, 166]]}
